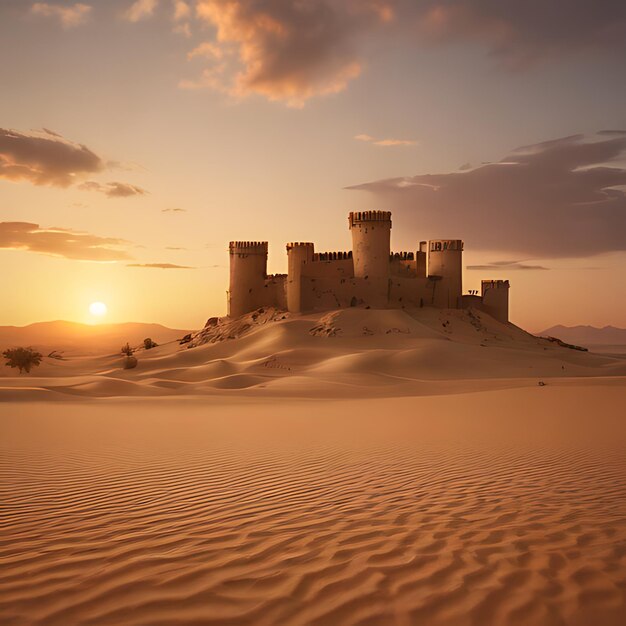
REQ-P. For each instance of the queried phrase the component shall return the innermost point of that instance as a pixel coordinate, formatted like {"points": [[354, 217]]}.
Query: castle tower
{"points": [[297, 254], [445, 259], [248, 270], [495, 295], [371, 243]]}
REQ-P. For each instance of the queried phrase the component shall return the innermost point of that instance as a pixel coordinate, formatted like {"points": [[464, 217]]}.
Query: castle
{"points": [[369, 275]]}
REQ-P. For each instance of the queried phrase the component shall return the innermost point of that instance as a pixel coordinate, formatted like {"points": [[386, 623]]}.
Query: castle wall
{"points": [[336, 268], [402, 264], [410, 292], [276, 291], [332, 292]]}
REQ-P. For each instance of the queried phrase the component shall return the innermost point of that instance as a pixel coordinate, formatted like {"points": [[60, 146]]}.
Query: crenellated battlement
{"points": [[248, 247], [495, 284], [402, 256], [332, 256], [442, 245], [299, 244], [357, 217]]}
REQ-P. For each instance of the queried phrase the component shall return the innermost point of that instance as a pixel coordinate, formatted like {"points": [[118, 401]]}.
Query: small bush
{"points": [[127, 350], [22, 358], [148, 344]]}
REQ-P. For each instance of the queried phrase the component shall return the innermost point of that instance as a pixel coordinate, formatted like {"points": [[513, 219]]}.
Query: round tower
{"points": [[298, 254], [445, 259], [248, 271], [371, 239]]}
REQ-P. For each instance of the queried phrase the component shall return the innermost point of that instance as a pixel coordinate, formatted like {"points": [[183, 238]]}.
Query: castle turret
{"points": [[248, 271], [371, 246], [371, 243], [495, 295], [297, 254], [445, 261]]}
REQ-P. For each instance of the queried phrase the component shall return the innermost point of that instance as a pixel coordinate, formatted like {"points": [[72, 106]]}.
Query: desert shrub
{"points": [[22, 358], [127, 350], [148, 344]]}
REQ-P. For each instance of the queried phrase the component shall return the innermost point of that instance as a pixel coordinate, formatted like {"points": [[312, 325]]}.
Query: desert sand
{"points": [[355, 467]]}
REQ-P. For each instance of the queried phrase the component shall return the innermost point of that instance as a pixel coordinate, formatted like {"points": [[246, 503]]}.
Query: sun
{"points": [[98, 309]]}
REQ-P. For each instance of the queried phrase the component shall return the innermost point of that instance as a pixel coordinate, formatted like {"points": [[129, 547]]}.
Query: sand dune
{"points": [[380, 352], [492, 508]]}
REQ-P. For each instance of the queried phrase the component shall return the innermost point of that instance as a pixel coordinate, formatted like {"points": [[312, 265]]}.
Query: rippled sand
{"points": [[499, 507]]}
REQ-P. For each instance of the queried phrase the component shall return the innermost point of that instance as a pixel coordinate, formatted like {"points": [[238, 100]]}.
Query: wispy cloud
{"points": [[113, 189], [140, 10], [162, 266], [68, 16], [559, 198], [385, 142], [62, 242], [174, 210], [506, 266]]}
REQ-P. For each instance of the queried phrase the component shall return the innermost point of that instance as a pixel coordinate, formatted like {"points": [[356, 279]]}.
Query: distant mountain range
{"points": [[587, 335], [78, 338]]}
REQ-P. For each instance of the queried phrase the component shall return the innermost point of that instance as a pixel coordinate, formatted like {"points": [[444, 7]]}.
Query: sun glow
{"points": [[98, 309]]}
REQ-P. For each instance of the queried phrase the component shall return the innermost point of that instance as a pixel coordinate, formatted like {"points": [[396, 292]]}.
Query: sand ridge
{"points": [[492, 508]]}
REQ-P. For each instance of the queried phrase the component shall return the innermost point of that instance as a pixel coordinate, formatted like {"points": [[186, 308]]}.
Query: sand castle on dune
{"points": [[369, 275]]}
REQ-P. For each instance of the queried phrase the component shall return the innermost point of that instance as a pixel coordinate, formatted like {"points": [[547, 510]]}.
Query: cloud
{"points": [[69, 16], [174, 248], [174, 210], [560, 198], [293, 50], [61, 242], [44, 158], [182, 10], [520, 33], [394, 142], [113, 189], [287, 51], [140, 10], [385, 142], [162, 266], [506, 266], [206, 50]]}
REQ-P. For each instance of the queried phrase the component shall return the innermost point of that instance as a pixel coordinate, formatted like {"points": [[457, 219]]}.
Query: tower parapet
{"points": [[248, 271], [248, 247]]}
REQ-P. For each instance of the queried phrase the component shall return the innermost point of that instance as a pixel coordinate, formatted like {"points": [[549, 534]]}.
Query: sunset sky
{"points": [[138, 138]]}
